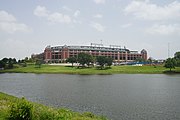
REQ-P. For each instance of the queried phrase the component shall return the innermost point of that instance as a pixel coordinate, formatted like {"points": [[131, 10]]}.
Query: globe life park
{"points": [[59, 54]]}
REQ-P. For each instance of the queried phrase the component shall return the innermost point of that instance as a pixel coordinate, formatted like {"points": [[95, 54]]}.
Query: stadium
{"points": [[59, 54]]}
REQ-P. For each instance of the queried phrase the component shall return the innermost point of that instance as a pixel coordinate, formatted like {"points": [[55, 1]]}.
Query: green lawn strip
{"points": [[92, 70], [5, 101], [41, 112]]}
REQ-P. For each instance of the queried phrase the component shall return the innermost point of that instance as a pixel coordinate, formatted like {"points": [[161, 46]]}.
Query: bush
{"points": [[178, 63], [88, 114], [46, 114], [38, 63], [2, 64], [64, 114], [22, 110], [10, 65], [23, 64]]}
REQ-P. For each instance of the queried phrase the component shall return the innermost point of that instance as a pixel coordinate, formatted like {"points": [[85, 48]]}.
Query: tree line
{"points": [[84, 59], [87, 59], [7, 63]]}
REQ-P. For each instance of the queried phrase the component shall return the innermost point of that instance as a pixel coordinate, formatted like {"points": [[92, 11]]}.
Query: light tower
{"points": [[168, 50]]}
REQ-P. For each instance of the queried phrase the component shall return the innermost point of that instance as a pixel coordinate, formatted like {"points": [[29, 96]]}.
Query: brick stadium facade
{"points": [[59, 54]]}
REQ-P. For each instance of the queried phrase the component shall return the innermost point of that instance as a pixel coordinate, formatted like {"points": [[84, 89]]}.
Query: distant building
{"points": [[58, 54], [38, 56]]}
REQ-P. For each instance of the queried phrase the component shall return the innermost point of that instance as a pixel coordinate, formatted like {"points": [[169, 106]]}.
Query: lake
{"points": [[121, 96]]}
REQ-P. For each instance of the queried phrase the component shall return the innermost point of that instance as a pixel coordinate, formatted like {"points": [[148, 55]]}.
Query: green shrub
{"points": [[12, 108], [46, 114], [88, 114], [23, 64], [64, 114], [22, 110]]}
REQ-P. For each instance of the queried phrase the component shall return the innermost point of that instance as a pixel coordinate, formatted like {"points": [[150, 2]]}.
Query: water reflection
{"points": [[124, 96]]}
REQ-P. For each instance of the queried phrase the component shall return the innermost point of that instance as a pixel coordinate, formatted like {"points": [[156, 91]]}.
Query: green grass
{"points": [[41, 112], [93, 70]]}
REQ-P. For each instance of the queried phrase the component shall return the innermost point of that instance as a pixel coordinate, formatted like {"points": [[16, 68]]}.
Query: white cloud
{"points": [[11, 27], [55, 17], [99, 1], [77, 21], [6, 17], [41, 11], [164, 29], [126, 25], [98, 16], [58, 17], [9, 24], [77, 13], [66, 8], [148, 11], [98, 27]]}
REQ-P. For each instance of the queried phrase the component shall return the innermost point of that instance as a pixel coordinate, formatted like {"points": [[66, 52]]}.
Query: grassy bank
{"points": [[40, 112], [93, 70]]}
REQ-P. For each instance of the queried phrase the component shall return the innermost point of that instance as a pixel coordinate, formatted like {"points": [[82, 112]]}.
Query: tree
{"points": [[5, 60], [177, 55], [140, 60], [93, 61], [150, 59], [72, 60], [109, 61], [14, 61], [19, 61], [84, 58], [10, 65], [170, 63], [178, 63], [38, 63], [2, 64], [26, 59], [101, 61], [90, 59], [7, 63], [30, 60]]}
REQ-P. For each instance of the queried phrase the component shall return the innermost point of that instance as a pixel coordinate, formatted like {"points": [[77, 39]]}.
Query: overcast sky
{"points": [[28, 26]]}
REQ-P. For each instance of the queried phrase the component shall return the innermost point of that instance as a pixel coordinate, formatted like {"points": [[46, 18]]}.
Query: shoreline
{"points": [[40, 111], [61, 69]]}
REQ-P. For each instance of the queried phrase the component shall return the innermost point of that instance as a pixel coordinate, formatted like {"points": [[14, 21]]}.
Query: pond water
{"points": [[122, 96]]}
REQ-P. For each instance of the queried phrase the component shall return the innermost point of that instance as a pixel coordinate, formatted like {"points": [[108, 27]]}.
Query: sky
{"points": [[28, 26]]}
